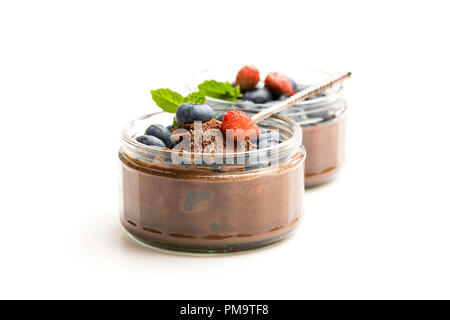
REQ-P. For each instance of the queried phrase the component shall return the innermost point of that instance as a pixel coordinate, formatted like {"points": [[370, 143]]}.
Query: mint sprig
{"points": [[167, 99], [220, 90], [195, 97]]}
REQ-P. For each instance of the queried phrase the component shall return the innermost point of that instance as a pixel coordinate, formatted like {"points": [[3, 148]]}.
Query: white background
{"points": [[73, 72]]}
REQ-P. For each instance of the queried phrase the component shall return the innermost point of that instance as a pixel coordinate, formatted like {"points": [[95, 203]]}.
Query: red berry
{"points": [[238, 120], [278, 84], [247, 77]]}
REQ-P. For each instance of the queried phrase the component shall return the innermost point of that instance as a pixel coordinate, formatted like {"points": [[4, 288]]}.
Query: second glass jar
{"points": [[322, 118]]}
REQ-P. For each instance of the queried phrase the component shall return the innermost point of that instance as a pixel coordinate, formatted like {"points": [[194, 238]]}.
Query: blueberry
{"points": [[151, 141], [170, 128], [191, 112], [271, 136], [267, 139], [259, 95], [161, 132], [220, 118], [266, 144]]}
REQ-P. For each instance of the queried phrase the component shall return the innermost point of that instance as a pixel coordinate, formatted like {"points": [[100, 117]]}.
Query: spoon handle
{"points": [[302, 95]]}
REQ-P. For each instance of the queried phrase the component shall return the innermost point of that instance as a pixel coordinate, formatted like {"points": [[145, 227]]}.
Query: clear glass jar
{"points": [[252, 199], [322, 118]]}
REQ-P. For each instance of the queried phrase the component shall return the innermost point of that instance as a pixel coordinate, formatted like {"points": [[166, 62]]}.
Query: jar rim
{"points": [[293, 142]]}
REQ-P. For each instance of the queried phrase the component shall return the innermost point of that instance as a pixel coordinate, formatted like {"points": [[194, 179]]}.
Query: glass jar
{"points": [[241, 201], [322, 118]]}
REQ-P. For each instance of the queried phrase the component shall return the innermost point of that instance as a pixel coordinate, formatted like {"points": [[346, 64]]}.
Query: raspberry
{"points": [[247, 77], [238, 120], [279, 84]]}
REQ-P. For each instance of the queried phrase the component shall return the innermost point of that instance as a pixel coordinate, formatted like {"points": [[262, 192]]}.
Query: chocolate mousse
{"points": [[201, 211], [200, 142], [202, 207], [325, 144]]}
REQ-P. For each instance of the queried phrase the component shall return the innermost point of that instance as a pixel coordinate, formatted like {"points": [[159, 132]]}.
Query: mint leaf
{"points": [[167, 99], [220, 90], [175, 123], [195, 97]]}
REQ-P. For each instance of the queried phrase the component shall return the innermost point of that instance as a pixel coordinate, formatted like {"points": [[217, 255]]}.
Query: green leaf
{"points": [[175, 123], [167, 99], [220, 90], [195, 97]]}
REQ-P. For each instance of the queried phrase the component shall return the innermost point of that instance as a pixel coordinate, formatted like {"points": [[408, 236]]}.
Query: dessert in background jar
{"points": [[192, 186], [322, 117]]}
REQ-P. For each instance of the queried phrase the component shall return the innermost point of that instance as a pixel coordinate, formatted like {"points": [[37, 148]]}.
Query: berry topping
{"points": [[267, 139], [161, 132], [271, 136], [247, 77], [239, 125], [267, 144], [260, 95], [278, 84], [191, 112], [151, 141]]}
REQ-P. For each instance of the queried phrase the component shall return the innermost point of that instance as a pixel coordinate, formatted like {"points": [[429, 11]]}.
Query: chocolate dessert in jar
{"points": [[211, 201], [323, 121], [322, 117]]}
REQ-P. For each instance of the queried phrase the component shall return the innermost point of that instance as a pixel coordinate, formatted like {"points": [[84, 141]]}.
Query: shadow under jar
{"points": [[239, 201], [322, 118]]}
